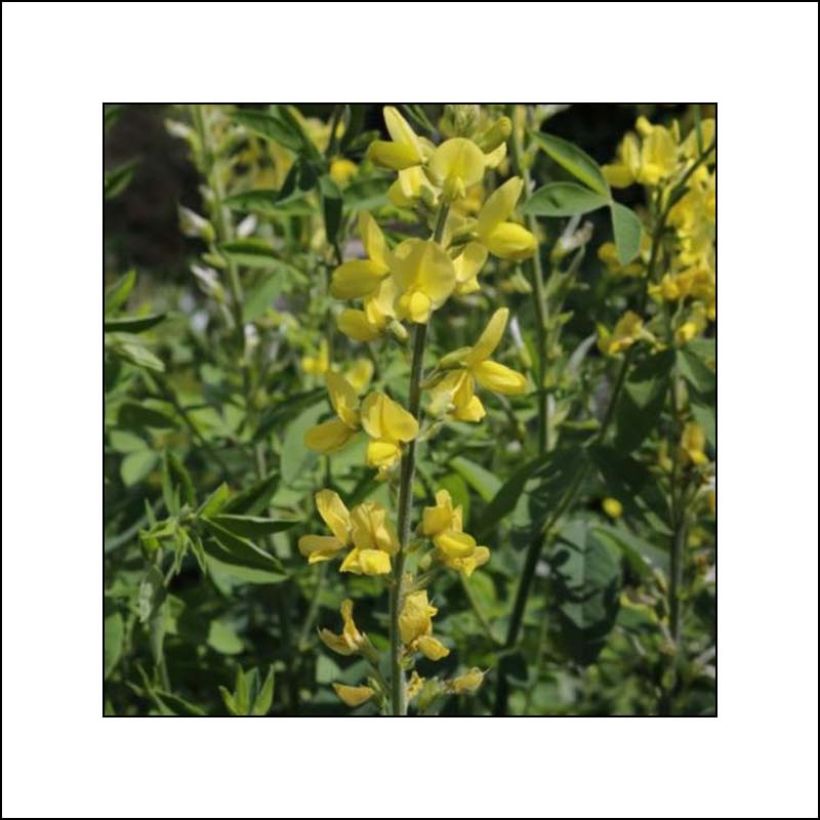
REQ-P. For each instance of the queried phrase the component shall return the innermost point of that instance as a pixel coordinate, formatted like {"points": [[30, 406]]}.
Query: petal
{"points": [[468, 682], [353, 695], [329, 437], [374, 562], [335, 643], [343, 398], [382, 454], [401, 132], [334, 513], [473, 410], [477, 559], [432, 648], [511, 241], [455, 544], [499, 378], [360, 374], [373, 240], [415, 306], [355, 325], [499, 205], [436, 274], [490, 338], [371, 414], [319, 547], [470, 262], [392, 155], [356, 279], [397, 423], [458, 160]]}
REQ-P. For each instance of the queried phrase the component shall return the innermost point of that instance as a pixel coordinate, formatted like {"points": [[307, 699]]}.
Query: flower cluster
{"points": [[397, 288], [658, 158]]}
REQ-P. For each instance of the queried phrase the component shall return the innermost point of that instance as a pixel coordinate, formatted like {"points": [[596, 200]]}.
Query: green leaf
{"points": [[251, 526], [215, 501], [176, 705], [577, 162], [262, 296], [246, 575], [136, 466], [268, 126], [306, 145], [222, 638], [696, 372], [137, 415], [264, 697], [151, 594], [254, 499], [584, 592], [296, 457], [269, 202], [331, 207], [563, 199], [114, 631], [480, 479], [133, 324], [117, 295], [118, 179], [252, 253], [135, 354], [237, 550], [642, 400], [626, 228], [638, 552]]}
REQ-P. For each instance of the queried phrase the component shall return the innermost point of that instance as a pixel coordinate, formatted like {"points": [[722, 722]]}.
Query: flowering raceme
{"points": [[399, 290]]}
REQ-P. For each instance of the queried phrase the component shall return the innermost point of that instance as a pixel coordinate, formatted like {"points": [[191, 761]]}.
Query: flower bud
{"points": [[497, 134]]}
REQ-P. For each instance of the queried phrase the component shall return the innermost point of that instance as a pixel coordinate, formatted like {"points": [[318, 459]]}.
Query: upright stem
{"points": [[538, 295], [398, 693]]}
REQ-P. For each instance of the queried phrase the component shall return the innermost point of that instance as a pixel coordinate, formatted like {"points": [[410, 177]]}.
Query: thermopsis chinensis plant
{"points": [[433, 432]]}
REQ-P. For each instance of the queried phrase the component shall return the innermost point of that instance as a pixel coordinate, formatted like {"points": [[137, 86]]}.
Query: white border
{"points": [[759, 758]]}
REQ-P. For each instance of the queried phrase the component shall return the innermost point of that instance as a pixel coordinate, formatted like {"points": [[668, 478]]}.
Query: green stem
{"points": [[478, 612], [398, 692], [539, 296], [408, 467]]}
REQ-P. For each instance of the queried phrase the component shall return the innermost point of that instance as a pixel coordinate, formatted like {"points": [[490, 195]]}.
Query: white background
{"points": [[60, 61]]}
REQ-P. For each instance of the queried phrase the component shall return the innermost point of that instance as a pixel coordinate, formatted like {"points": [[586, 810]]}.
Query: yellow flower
{"points": [[648, 161], [692, 444], [353, 695], [350, 641], [366, 529], [456, 165], [416, 627], [368, 324], [456, 389], [412, 184], [331, 436], [414, 685], [403, 151], [425, 277], [467, 683], [389, 425], [612, 507], [454, 548], [337, 517], [359, 374], [374, 541], [342, 170], [317, 365], [504, 239], [628, 330], [357, 278], [467, 265], [416, 617]]}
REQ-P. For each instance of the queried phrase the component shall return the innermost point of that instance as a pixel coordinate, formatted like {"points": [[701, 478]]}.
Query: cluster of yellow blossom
{"points": [[454, 547], [407, 283], [657, 157]]}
